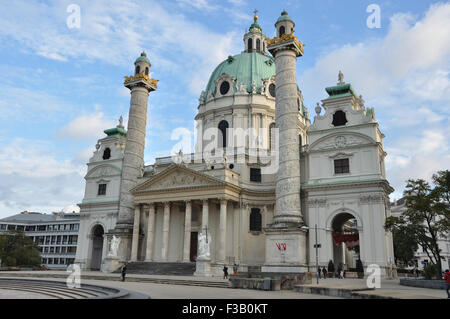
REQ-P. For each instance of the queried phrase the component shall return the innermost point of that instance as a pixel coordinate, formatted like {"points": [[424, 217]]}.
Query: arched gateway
{"points": [[345, 240], [97, 247]]}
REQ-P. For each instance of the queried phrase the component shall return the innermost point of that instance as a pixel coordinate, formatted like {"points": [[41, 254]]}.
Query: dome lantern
{"points": [[254, 39]]}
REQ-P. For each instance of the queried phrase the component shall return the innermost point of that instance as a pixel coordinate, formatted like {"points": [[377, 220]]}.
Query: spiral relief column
{"points": [[285, 240]]}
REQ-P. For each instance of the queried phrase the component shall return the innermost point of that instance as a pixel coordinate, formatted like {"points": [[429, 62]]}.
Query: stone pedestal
{"points": [[285, 249], [203, 267], [123, 251], [111, 264]]}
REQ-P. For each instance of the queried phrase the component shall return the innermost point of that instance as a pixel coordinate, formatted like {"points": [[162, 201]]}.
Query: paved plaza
{"points": [[190, 287]]}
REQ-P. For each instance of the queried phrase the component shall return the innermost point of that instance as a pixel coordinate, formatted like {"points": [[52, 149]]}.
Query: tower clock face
{"points": [[340, 141]]}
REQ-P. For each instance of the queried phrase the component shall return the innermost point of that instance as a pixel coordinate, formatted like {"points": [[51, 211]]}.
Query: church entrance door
{"points": [[97, 247], [194, 242]]}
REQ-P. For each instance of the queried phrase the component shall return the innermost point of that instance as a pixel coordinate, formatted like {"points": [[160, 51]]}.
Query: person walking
{"points": [[235, 269], [123, 271], [447, 282], [225, 272], [324, 271], [319, 272]]}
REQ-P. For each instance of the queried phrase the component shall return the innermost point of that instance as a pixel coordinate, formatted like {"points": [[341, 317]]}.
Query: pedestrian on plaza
{"points": [[319, 272], [341, 274], [225, 272], [123, 270], [324, 271], [235, 269], [447, 282]]}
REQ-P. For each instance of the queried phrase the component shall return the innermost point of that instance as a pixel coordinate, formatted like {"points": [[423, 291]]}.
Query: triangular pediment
{"points": [[175, 177]]}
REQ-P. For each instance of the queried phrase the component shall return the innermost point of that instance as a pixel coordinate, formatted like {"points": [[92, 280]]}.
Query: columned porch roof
{"points": [[179, 183]]}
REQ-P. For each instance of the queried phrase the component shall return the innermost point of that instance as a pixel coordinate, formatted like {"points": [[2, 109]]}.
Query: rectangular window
{"points": [[76, 227], [53, 240], [11, 227], [65, 239], [341, 166], [47, 240], [2, 227], [255, 175], [66, 227], [45, 249], [41, 228], [101, 189], [58, 240], [57, 250], [63, 250], [44, 260]]}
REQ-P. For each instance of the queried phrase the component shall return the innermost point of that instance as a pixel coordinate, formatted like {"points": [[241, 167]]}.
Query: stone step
{"points": [[161, 268]]}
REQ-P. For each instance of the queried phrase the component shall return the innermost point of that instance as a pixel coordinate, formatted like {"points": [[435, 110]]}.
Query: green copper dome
{"points": [[142, 58], [255, 27], [246, 68], [284, 17]]}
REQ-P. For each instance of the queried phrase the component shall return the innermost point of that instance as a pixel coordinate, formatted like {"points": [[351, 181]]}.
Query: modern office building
{"points": [[55, 234]]}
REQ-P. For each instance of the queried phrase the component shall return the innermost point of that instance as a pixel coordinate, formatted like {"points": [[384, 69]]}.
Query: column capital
{"points": [[223, 201], [167, 204], [205, 201]]}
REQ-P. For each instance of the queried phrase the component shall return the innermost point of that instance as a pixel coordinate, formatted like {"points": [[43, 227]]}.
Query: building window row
{"points": [[58, 261], [58, 240], [55, 227], [58, 250]]}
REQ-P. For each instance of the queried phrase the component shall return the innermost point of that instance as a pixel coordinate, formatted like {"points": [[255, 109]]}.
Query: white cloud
{"points": [[34, 179], [86, 127], [411, 48], [116, 33]]}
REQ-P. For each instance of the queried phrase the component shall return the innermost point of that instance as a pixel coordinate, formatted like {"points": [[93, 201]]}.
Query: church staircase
{"points": [[161, 268]]}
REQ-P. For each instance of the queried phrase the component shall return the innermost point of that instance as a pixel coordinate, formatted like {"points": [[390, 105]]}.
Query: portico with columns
{"points": [[173, 207]]}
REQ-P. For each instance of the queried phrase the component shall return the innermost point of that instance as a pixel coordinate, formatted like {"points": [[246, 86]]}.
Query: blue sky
{"points": [[61, 87]]}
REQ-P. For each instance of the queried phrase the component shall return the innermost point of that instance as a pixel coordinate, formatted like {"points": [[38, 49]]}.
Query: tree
{"points": [[426, 218], [405, 246], [17, 249]]}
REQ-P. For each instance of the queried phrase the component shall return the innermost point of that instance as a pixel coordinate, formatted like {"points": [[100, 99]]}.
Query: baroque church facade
{"points": [[264, 183]]}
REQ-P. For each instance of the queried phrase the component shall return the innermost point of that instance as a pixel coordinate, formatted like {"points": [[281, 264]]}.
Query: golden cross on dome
{"points": [[255, 17]]}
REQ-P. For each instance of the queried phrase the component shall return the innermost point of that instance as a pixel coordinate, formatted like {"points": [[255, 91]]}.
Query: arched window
{"points": [[138, 69], [282, 31], [223, 126], [255, 220], [258, 45], [106, 153], [339, 118], [271, 141], [250, 45], [146, 70]]}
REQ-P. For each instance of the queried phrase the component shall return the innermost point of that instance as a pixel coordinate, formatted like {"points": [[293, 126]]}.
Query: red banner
{"points": [[350, 239]]}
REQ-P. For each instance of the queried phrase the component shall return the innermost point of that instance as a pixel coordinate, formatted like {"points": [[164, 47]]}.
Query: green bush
{"points": [[430, 271]]}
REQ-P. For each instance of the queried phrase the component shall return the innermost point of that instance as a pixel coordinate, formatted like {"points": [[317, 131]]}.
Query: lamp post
{"points": [[316, 246]]}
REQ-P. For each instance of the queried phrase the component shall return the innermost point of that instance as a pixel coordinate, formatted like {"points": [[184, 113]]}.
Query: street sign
{"points": [[318, 246]]}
